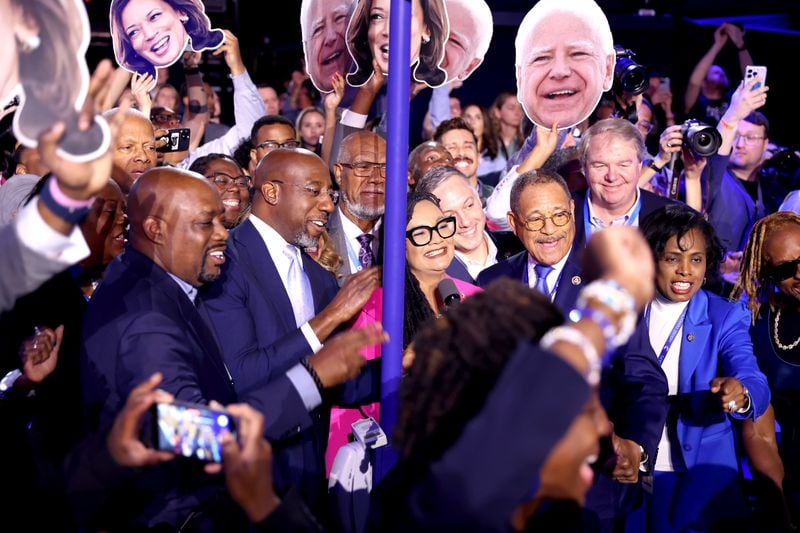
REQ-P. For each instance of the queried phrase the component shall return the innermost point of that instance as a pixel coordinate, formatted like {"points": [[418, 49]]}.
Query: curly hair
{"points": [[458, 363], [426, 69], [197, 27], [676, 220], [753, 280]]}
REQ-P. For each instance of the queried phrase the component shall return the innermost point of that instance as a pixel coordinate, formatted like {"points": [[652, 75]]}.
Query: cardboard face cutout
{"points": [[323, 24], [151, 34], [565, 61], [471, 28], [368, 37], [42, 49]]}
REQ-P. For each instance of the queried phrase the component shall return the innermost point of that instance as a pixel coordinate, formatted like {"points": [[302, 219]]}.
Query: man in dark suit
{"points": [[146, 318], [273, 305], [611, 152], [543, 217], [353, 227]]}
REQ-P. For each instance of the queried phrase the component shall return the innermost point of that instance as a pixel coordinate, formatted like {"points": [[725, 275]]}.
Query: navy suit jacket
{"points": [[140, 321], [507, 244], [252, 314], [569, 285]]}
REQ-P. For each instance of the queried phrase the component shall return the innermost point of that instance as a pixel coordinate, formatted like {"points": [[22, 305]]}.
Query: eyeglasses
{"points": [[782, 272], [749, 140], [313, 191], [559, 219], [422, 235], [224, 181], [365, 170], [274, 145]]}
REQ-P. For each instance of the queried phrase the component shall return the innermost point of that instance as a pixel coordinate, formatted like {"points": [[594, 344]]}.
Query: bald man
{"points": [[146, 317], [360, 173], [273, 305]]}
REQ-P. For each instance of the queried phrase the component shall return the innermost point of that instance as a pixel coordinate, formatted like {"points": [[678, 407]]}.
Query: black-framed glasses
{"points": [[224, 181], [422, 235], [274, 145], [749, 140], [312, 191], [782, 272], [559, 219], [365, 170]]}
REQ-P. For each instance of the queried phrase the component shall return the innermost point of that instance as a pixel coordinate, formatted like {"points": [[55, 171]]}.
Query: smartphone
{"points": [[664, 84], [177, 140], [190, 430], [758, 72]]}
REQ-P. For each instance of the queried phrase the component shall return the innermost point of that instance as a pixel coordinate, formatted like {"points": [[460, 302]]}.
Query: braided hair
{"points": [[752, 279], [457, 364]]}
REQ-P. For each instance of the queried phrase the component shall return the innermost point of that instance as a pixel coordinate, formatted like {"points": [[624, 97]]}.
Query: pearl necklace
{"points": [[775, 335]]}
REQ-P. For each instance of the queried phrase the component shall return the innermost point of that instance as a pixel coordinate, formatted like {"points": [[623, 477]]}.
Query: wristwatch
{"points": [[7, 383], [643, 459], [656, 168]]}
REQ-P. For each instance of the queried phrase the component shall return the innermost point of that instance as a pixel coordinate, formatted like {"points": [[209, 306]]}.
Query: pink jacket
{"points": [[341, 419]]}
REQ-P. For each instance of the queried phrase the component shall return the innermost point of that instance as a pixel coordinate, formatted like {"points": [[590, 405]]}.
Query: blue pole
{"points": [[394, 254]]}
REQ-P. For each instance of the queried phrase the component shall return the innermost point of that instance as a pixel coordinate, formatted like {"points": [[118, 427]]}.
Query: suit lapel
{"points": [[336, 233], [259, 266], [318, 279], [696, 334], [569, 283]]}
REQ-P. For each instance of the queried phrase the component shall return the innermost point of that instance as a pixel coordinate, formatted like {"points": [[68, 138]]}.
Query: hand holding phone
{"points": [[759, 73], [191, 430], [664, 84], [177, 140]]}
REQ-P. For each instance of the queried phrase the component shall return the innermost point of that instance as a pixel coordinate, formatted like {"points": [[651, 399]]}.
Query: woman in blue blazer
{"points": [[703, 345]]}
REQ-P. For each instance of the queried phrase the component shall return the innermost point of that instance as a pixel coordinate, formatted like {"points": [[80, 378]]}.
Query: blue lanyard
{"points": [[587, 220], [526, 281], [672, 334]]}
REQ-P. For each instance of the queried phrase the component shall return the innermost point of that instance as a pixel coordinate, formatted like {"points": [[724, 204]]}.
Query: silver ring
{"points": [[732, 406]]}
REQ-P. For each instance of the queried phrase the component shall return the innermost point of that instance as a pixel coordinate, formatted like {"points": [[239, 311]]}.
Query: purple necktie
{"points": [[365, 254]]}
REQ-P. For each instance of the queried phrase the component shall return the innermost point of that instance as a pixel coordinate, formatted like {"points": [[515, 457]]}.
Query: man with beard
{"points": [[459, 139], [273, 305], [147, 317], [360, 172]]}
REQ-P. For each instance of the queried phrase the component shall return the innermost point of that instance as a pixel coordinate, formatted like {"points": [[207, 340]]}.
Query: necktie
{"points": [[298, 288], [541, 278], [365, 254]]}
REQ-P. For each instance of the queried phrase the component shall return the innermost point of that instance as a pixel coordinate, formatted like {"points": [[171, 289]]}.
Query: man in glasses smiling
{"points": [[270, 133], [360, 172], [542, 216]]}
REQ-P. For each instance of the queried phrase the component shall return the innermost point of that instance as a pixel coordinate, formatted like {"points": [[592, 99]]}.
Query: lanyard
{"points": [[587, 220], [672, 334], [552, 292]]}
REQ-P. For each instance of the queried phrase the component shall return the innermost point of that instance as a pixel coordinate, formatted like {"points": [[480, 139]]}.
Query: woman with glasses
{"points": [[430, 247], [231, 182], [702, 344], [770, 281]]}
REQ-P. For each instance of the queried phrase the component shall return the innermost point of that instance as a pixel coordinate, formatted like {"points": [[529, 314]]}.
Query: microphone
{"points": [[448, 294]]}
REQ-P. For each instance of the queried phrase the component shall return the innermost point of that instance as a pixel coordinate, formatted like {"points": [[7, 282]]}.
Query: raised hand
{"points": [[232, 53], [340, 358]]}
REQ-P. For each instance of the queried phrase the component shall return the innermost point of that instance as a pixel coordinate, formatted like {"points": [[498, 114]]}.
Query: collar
{"points": [[351, 230], [557, 268], [276, 245], [491, 255], [188, 289], [630, 218]]}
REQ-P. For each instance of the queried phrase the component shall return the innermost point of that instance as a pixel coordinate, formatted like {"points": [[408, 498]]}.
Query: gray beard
{"points": [[362, 212], [304, 240]]}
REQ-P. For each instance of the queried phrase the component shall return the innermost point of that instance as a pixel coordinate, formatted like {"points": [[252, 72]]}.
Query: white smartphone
{"points": [[757, 72], [663, 84]]}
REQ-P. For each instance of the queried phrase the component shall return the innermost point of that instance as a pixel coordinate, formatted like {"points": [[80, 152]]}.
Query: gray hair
{"points": [[436, 176], [618, 127], [531, 178]]}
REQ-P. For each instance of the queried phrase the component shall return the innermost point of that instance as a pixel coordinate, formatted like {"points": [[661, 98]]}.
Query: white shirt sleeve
{"points": [[36, 235], [499, 203], [353, 119]]}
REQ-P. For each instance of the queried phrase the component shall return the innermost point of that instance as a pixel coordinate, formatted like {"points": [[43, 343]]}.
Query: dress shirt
{"points": [[298, 375], [663, 315], [630, 218], [552, 277], [36, 235], [499, 203], [351, 234], [476, 267], [187, 288]]}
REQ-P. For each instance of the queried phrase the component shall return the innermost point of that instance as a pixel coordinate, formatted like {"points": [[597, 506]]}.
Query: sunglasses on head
{"points": [[784, 271]]}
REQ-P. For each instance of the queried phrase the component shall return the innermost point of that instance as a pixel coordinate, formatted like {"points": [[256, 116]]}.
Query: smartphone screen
{"points": [[191, 430], [177, 140]]}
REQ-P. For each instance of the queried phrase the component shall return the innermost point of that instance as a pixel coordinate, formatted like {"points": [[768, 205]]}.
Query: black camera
{"points": [[703, 140], [629, 76]]}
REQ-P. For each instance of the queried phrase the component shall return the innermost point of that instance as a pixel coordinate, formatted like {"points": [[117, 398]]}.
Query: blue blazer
{"points": [[140, 321], [516, 266], [720, 347], [252, 313]]}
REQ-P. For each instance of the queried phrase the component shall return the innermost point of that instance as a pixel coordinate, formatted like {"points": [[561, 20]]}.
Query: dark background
{"points": [[671, 41]]}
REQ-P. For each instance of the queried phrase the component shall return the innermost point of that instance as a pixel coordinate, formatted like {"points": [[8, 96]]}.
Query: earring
{"points": [[184, 19], [426, 39], [29, 44]]}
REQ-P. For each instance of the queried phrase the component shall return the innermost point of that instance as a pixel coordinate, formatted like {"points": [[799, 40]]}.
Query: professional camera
{"points": [[629, 76], [702, 139]]}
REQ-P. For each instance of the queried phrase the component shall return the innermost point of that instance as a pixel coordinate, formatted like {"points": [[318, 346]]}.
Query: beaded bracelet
{"points": [[576, 337], [313, 373]]}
